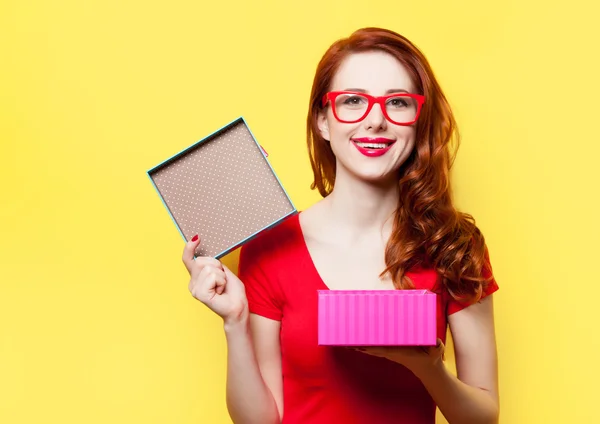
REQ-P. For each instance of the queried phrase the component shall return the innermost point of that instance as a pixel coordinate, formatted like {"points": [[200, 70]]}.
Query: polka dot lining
{"points": [[223, 189]]}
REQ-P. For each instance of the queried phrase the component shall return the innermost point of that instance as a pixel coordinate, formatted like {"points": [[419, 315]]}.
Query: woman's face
{"points": [[377, 74]]}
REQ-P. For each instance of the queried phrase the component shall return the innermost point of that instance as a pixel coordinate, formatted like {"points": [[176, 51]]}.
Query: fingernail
{"points": [[195, 237]]}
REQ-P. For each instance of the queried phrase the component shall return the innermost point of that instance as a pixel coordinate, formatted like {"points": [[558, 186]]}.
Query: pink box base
{"points": [[377, 318]]}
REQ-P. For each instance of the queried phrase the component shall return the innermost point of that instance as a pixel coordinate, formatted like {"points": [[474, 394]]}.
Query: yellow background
{"points": [[96, 323]]}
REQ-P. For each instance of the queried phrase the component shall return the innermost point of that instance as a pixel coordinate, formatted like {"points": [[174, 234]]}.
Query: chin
{"points": [[377, 178], [369, 171]]}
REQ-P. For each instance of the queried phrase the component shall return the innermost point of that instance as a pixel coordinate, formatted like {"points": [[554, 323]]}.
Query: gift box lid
{"points": [[222, 188]]}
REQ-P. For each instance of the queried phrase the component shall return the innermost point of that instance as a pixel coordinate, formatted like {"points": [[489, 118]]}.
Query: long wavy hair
{"points": [[428, 230]]}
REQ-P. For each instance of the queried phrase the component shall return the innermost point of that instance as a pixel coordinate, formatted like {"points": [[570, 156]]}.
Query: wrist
{"points": [[235, 325]]}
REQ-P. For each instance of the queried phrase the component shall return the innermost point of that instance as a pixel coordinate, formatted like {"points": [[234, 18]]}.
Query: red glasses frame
{"points": [[332, 95]]}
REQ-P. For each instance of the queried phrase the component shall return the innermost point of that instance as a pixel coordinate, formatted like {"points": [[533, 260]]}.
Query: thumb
{"points": [[228, 273], [232, 278], [441, 349]]}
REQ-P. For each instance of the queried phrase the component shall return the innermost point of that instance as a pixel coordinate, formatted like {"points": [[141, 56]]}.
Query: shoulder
{"points": [[262, 263], [272, 245]]}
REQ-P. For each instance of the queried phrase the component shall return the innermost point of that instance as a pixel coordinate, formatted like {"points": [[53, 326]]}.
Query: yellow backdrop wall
{"points": [[96, 323]]}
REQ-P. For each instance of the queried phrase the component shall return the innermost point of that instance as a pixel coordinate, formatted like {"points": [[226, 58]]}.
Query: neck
{"points": [[362, 206]]}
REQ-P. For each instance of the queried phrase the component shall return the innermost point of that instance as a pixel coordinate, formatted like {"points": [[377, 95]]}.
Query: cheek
{"points": [[407, 133], [411, 142], [341, 133], [407, 143], [407, 136]]}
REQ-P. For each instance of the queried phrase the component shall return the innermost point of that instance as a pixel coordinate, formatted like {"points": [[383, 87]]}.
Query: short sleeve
{"points": [[262, 290], [455, 306]]}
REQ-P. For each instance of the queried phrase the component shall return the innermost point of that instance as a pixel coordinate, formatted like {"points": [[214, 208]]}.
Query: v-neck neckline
{"points": [[308, 257], [321, 284]]}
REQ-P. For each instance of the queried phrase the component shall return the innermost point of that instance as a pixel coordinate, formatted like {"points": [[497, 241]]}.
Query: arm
{"points": [[254, 389], [472, 398], [254, 382]]}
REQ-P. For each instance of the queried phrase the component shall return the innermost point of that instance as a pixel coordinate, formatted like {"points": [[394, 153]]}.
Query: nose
{"points": [[375, 118]]}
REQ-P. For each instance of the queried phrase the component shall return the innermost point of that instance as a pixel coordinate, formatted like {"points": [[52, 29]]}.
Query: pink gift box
{"points": [[377, 318]]}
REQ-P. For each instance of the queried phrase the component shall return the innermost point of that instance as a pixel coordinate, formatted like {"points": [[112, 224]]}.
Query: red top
{"points": [[325, 384]]}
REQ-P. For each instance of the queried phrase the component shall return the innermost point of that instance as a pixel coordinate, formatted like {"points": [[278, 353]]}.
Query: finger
{"points": [[403, 350], [206, 261], [439, 345], [188, 252], [227, 270], [214, 281], [200, 286], [375, 351], [199, 277], [441, 349], [220, 280], [234, 283], [431, 349], [361, 349], [204, 286]]}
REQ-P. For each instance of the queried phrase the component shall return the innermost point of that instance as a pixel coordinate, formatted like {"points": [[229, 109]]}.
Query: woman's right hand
{"points": [[213, 284]]}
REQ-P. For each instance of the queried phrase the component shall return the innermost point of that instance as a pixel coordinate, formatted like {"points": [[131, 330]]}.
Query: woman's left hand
{"points": [[418, 359]]}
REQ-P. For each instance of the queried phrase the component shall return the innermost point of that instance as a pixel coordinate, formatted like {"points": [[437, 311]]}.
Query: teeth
{"points": [[372, 145]]}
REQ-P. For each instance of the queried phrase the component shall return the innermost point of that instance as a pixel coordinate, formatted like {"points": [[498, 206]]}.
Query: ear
{"points": [[323, 125]]}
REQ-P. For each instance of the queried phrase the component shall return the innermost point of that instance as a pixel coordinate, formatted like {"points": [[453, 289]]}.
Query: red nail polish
{"points": [[195, 237]]}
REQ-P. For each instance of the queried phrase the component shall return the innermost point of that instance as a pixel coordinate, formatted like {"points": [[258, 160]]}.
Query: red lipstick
{"points": [[373, 147]]}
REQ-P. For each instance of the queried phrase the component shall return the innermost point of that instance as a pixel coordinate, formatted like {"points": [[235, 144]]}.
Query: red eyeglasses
{"points": [[398, 108]]}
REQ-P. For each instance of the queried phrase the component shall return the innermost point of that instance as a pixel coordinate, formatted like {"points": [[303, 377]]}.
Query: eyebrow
{"points": [[390, 91]]}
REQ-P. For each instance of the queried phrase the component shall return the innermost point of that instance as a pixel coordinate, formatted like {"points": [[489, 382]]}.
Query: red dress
{"points": [[323, 384]]}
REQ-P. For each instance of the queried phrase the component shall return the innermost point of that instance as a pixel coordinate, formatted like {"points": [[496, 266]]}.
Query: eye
{"points": [[354, 100], [397, 102]]}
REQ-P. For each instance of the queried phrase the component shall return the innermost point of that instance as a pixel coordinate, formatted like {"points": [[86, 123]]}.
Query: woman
{"points": [[379, 129]]}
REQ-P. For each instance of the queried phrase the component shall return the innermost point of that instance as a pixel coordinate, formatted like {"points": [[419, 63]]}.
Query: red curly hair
{"points": [[428, 231]]}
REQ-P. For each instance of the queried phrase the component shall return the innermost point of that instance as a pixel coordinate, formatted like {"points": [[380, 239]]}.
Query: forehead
{"points": [[375, 72]]}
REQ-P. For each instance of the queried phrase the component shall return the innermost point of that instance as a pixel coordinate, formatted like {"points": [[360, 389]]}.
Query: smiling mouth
{"points": [[379, 143], [372, 145]]}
